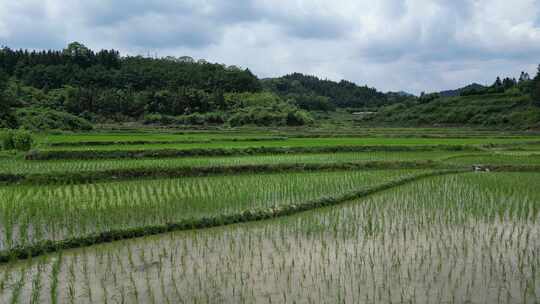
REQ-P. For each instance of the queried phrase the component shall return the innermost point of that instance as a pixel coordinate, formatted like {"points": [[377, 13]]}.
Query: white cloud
{"points": [[391, 44]]}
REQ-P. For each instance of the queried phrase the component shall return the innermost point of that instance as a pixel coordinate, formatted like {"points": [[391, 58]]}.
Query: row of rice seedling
{"points": [[472, 238], [21, 166], [176, 135], [495, 159], [151, 136], [163, 142], [199, 152], [178, 172], [31, 214], [308, 142]]}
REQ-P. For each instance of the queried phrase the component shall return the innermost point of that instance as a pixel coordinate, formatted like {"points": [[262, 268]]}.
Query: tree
{"points": [[75, 49], [186, 59], [79, 53], [509, 83], [7, 119], [524, 77], [535, 89], [497, 83]]}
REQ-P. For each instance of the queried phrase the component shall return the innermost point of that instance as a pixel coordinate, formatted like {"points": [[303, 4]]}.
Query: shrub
{"points": [[6, 140], [159, 119], [260, 116], [191, 119], [299, 118], [22, 140], [38, 119]]}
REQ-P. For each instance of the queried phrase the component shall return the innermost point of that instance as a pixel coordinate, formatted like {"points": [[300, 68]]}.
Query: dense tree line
{"points": [[79, 66], [534, 88], [103, 86], [508, 102], [522, 86], [7, 119], [317, 94], [76, 83]]}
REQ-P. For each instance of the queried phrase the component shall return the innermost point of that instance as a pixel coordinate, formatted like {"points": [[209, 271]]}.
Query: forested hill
{"points": [[76, 83], [76, 88], [106, 69], [319, 94]]}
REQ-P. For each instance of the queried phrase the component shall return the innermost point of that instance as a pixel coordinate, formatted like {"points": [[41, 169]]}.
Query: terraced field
{"points": [[450, 217], [296, 142]]}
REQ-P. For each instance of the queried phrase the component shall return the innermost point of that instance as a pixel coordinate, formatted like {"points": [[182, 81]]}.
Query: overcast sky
{"points": [[410, 45]]}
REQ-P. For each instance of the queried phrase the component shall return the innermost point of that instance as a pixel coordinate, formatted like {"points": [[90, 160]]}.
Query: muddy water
{"points": [[487, 263], [381, 249]]}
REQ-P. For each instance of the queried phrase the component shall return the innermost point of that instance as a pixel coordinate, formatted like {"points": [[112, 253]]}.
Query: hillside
{"points": [[104, 87], [314, 93], [458, 92], [76, 88], [505, 110]]}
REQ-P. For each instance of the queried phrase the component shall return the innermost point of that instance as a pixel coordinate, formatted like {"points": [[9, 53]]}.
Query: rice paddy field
{"points": [[292, 142], [455, 219]]}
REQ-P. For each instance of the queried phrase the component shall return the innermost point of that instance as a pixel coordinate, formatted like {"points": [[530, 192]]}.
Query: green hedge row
{"points": [[205, 222], [164, 153], [135, 173]]}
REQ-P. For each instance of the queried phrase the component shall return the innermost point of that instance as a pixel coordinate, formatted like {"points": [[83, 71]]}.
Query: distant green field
{"points": [[19, 166], [305, 142], [174, 135], [128, 137]]}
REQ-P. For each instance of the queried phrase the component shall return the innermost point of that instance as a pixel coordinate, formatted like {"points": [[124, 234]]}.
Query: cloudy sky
{"points": [[411, 45]]}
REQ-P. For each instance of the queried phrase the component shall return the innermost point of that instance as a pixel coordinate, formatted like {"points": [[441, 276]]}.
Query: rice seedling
{"points": [[496, 159], [305, 142], [30, 214], [10, 166], [474, 238]]}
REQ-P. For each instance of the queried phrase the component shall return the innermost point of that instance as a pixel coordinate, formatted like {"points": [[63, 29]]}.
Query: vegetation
{"points": [[97, 148], [92, 209], [104, 87], [490, 110], [401, 208], [312, 93], [475, 245], [76, 87], [508, 103], [7, 120], [37, 119], [20, 140]]}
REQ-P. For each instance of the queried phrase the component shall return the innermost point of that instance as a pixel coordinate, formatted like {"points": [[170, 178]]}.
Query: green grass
{"points": [[469, 238]]}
